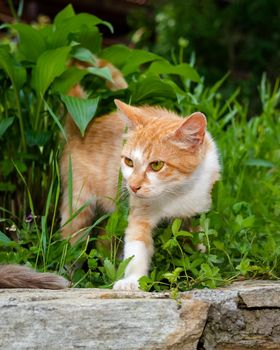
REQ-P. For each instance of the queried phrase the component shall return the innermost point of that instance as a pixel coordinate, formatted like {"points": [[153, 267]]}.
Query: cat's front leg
{"points": [[139, 244]]}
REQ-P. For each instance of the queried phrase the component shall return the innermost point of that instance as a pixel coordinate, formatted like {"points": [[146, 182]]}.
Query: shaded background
{"points": [[241, 37]]}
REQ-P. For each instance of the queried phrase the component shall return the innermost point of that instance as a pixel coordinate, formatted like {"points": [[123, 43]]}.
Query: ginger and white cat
{"points": [[169, 165]]}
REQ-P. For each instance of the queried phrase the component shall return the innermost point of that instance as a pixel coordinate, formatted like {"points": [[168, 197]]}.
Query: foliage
{"points": [[241, 232], [240, 37]]}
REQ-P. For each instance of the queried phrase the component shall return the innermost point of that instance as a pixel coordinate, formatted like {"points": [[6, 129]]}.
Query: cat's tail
{"points": [[16, 276]]}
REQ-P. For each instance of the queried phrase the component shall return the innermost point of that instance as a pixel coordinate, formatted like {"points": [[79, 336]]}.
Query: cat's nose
{"points": [[135, 188]]}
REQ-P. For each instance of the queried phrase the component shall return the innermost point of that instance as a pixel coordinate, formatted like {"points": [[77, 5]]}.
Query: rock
{"points": [[94, 319], [243, 316]]}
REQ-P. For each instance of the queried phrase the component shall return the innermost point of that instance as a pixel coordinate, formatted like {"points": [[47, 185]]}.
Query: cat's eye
{"points": [[128, 162], [157, 165]]}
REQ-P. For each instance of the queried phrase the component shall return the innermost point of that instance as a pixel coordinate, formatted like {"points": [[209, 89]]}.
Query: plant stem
{"points": [[20, 121], [37, 116], [12, 9]]}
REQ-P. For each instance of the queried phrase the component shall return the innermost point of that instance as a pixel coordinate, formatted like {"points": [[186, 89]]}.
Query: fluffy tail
{"points": [[16, 276]]}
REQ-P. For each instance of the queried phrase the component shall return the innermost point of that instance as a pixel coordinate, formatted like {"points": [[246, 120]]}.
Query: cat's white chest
{"points": [[195, 195], [186, 204]]}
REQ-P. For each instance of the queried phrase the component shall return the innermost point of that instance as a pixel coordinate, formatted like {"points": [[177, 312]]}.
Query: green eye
{"points": [[157, 166], [128, 162]]}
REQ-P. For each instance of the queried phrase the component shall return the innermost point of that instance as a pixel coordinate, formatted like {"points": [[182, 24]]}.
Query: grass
{"points": [[241, 232]]}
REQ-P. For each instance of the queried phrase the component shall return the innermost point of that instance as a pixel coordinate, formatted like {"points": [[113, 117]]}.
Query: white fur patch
{"points": [[139, 264], [129, 283], [137, 155], [137, 267], [126, 170]]}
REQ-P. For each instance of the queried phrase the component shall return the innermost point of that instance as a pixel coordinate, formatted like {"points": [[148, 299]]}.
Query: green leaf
{"points": [[130, 60], [51, 64], [90, 39], [56, 120], [136, 58], [68, 79], [151, 87], [184, 70], [122, 267], [31, 41], [101, 72], [145, 283], [71, 25], [237, 207], [116, 54], [244, 266], [184, 234], [3, 238], [248, 222], [81, 110], [92, 263], [35, 138], [7, 187], [176, 224], [13, 69], [110, 270], [5, 124], [259, 162], [84, 55], [67, 12], [219, 245]]}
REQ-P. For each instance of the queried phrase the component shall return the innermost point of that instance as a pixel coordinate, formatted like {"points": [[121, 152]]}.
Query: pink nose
{"points": [[135, 188]]}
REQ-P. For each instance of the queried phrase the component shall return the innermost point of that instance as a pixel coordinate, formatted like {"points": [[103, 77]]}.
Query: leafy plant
{"points": [[240, 235]]}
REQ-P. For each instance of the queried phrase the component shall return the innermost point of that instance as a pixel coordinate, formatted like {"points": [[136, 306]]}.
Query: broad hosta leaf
{"points": [[74, 24], [90, 39], [13, 69], [67, 12], [164, 67], [5, 124], [136, 59], [129, 60], [101, 72], [50, 65], [3, 238], [82, 111], [31, 41], [116, 54], [84, 55], [69, 78], [151, 87]]}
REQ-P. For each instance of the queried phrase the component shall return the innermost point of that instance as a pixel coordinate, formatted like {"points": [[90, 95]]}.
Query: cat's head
{"points": [[161, 151]]}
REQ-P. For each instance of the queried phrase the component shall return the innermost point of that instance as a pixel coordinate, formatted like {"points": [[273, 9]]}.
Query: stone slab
{"points": [[98, 319], [243, 316]]}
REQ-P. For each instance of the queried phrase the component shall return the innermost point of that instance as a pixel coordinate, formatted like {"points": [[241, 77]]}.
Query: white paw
{"points": [[128, 283]]}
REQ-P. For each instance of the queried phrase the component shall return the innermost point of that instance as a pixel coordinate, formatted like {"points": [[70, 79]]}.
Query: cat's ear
{"points": [[192, 131], [134, 115]]}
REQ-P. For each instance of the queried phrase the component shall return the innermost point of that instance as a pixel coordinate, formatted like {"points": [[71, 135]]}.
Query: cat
{"points": [[16, 276], [169, 165]]}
